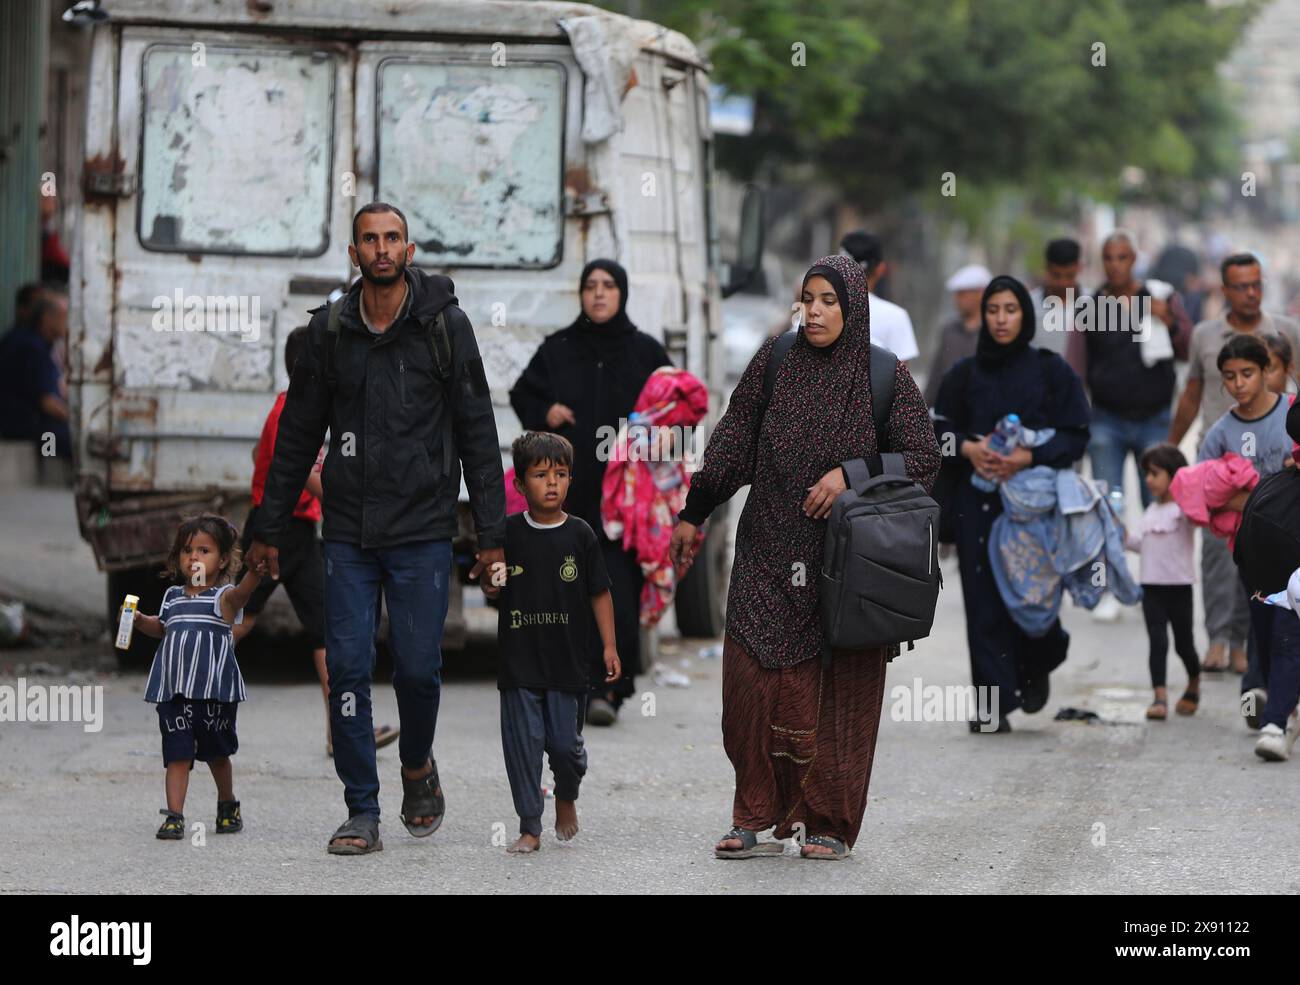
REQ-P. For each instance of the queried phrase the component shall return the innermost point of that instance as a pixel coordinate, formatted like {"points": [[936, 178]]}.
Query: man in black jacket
{"points": [[404, 396]]}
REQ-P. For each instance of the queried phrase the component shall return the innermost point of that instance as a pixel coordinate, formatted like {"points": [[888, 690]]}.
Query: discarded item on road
{"points": [[667, 677], [1078, 715], [13, 624]]}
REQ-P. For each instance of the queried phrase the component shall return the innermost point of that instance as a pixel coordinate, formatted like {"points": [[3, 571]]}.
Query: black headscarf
{"points": [[619, 328], [841, 292], [989, 353]]}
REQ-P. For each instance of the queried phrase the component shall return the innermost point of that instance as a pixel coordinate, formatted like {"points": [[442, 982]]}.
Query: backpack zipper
{"points": [[929, 557]]}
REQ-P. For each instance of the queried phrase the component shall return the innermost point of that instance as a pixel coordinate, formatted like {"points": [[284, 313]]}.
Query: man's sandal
{"points": [[839, 851], [1158, 711], [1188, 703], [173, 828], [228, 819], [751, 846], [423, 798], [362, 827]]}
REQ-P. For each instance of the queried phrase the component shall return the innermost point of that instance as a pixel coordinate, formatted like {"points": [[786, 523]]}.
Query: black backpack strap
{"points": [[783, 345], [884, 364], [332, 337], [439, 341], [435, 333]]}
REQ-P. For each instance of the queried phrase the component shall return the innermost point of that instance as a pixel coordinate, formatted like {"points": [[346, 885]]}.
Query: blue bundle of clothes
{"points": [[1057, 532]]}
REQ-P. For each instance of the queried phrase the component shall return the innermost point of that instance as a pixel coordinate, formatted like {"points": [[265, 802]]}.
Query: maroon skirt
{"points": [[801, 740]]}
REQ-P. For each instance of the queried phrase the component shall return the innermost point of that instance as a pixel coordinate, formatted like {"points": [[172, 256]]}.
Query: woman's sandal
{"points": [[839, 851], [362, 827], [173, 829], [423, 798], [751, 846], [1158, 715], [1188, 703], [228, 819]]}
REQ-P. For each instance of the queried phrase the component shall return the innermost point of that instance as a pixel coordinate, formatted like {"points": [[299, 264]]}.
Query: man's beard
{"points": [[399, 271]]}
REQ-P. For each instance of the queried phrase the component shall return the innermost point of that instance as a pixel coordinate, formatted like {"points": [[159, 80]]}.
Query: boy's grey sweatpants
{"points": [[533, 721], [1227, 605]]}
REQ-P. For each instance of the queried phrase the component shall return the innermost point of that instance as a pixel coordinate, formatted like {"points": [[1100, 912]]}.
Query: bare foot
{"points": [[730, 845], [356, 842], [809, 850], [566, 819], [525, 844], [1238, 661]]}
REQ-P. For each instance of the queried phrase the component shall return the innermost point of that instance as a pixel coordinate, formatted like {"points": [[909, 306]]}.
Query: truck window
{"points": [[474, 155], [236, 151]]}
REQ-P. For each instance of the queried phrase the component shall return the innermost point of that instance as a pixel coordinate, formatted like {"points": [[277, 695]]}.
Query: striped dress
{"points": [[196, 656]]}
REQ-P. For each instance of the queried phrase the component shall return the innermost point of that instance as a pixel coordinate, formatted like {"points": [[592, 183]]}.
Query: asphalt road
{"points": [[1128, 806], [1184, 805]]}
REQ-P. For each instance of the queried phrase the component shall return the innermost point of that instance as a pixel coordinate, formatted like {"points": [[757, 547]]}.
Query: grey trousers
{"points": [[1227, 606], [533, 722]]}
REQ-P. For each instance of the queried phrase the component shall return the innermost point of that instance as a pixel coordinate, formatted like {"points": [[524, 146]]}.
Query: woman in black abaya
{"points": [[583, 379]]}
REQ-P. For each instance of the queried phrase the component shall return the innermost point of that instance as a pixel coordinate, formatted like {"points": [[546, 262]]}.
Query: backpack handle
{"points": [[859, 472]]}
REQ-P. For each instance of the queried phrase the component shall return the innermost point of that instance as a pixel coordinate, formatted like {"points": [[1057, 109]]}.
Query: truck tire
{"points": [[701, 595], [145, 583]]}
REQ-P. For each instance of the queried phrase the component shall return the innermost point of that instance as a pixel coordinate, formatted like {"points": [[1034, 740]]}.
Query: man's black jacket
{"points": [[383, 478]]}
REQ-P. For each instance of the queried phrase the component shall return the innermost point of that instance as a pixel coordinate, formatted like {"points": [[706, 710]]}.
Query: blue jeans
{"points": [[1112, 438], [1277, 632], [415, 579]]}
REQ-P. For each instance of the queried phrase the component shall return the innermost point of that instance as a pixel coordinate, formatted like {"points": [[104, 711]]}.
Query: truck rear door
{"points": [[236, 224]]}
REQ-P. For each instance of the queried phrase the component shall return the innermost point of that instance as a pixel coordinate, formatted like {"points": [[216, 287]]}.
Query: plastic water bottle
{"points": [[1004, 438]]}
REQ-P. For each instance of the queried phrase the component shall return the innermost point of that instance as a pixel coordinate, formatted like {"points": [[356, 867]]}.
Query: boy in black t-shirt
{"points": [[551, 585]]}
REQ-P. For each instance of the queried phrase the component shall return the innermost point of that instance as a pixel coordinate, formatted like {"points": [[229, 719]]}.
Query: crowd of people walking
{"points": [[1034, 401]]}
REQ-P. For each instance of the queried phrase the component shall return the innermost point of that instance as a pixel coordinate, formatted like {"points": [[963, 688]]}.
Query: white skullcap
{"points": [[972, 277]]}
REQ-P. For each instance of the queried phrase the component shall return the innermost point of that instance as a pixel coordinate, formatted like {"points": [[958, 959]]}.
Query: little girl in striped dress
{"points": [[195, 679]]}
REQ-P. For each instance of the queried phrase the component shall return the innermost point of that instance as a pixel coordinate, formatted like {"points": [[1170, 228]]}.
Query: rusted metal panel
{"points": [[135, 539]]}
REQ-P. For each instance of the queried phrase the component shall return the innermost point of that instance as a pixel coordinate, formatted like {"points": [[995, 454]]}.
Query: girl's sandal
{"points": [[1158, 711], [751, 847], [228, 819], [838, 850], [1188, 703], [173, 828]]}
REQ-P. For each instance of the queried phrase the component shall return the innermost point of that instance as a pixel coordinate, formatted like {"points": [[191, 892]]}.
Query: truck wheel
{"points": [[145, 583], [702, 593]]}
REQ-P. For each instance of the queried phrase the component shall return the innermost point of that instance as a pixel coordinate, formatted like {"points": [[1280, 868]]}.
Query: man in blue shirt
{"points": [[32, 404]]}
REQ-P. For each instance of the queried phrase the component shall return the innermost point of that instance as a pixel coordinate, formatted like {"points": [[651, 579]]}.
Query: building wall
{"points": [[23, 42]]}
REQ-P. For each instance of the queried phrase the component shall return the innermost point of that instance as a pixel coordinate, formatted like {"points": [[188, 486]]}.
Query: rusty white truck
{"points": [[227, 146]]}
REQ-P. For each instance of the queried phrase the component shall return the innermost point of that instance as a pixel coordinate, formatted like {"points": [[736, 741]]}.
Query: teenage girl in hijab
{"points": [[1006, 376], [801, 737], [582, 379]]}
